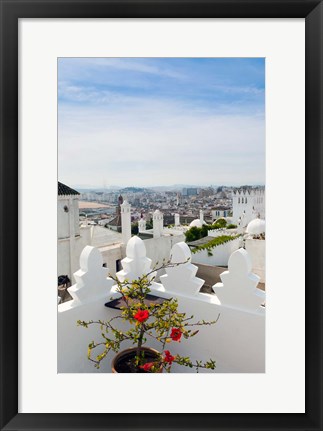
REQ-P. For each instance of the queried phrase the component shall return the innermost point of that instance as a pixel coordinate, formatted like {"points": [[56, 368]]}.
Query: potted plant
{"points": [[148, 320]]}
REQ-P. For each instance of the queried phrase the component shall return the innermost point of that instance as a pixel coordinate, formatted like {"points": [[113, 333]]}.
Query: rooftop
{"points": [[64, 190], [103, 236]]}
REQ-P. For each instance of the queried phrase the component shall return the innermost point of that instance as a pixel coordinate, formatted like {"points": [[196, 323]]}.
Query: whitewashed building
{"points": [[71, 239], [219, 212], [248, 204]]}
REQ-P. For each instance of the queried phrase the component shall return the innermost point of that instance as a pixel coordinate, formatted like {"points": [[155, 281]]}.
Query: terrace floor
{"points": [[211, 275]]}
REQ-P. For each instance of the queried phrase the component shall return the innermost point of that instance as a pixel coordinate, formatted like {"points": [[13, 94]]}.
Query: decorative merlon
{"points": [[239, 285], [91, 278], [136, 263], [181, 278]]}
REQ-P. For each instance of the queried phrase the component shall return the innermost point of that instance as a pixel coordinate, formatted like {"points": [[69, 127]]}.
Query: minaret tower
{"points": [[125, 221], [158, 223]]}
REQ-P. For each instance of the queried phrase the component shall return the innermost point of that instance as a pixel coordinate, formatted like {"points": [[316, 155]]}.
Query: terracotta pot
{"points": [[130, 353]]}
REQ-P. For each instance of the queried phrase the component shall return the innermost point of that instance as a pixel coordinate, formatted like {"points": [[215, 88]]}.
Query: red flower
{"points": [[141, 315], [147, 366], [168, 357], [176, 334]]}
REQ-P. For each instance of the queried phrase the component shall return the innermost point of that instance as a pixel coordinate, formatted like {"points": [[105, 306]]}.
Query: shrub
{"points": [[194, 233], [147, 321], [220, 223], [149, 224], [215, 242]]}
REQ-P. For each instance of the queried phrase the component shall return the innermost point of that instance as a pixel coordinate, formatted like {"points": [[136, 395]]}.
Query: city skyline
{"points": [[161, 122], [171, 187]]}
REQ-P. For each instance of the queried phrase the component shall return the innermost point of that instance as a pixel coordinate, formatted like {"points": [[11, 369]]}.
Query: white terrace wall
{"points": [[89, 295], [257, 252], [220, 254], [236, 341], [220, 232]]}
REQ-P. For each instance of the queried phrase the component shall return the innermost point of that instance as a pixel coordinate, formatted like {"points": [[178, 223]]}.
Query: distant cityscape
{"points": [[100, 205]]}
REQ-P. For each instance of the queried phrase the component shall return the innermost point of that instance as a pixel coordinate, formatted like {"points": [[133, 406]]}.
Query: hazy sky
{"points": [[161, 121]]}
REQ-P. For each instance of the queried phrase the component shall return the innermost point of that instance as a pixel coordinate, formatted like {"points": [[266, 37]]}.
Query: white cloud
{"points": [[233, 89], [132, 65], [84, 68], [154, 143]]}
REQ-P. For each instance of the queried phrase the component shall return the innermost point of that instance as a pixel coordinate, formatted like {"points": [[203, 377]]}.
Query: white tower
{"points": [[177, 223], [201, 216], [68, 230], [142, 225], [158, 223], [125, 221]]}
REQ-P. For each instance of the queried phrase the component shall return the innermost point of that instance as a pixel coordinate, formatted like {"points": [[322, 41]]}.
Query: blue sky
{"points": [[161, 121]]}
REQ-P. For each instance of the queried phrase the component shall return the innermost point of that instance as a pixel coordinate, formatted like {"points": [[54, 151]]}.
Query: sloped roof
{"points": [[116, 221], [64, 190]]}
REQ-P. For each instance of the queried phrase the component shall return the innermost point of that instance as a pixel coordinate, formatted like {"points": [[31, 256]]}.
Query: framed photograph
{"points": [[169, 119], [192, 126]]}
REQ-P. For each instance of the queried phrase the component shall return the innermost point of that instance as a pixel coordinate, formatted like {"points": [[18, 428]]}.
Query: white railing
{"points": [[236, 341]]}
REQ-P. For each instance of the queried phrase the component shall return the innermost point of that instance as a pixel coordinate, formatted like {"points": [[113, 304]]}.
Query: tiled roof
{"points": [[116, 221], [64, 190]]}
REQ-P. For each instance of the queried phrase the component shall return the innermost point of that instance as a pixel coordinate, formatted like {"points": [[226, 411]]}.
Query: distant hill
{"points": [[160, 189], [134, 190]]}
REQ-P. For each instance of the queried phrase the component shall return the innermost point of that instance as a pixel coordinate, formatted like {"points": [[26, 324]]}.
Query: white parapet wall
{"points": [[236, 341], [89, 295], [257, 251], [220, 254], [219, 232]]}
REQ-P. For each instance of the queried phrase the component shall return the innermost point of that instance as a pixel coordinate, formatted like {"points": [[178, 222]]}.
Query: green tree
{"points": [[149, 224], [193, 234], [134, 228]]}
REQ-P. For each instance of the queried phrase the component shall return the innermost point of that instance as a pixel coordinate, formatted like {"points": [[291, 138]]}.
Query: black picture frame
{"points": [[11, 11]]}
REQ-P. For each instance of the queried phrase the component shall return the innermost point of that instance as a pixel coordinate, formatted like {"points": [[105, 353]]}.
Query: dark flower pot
{"points": [[123, 361]]}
